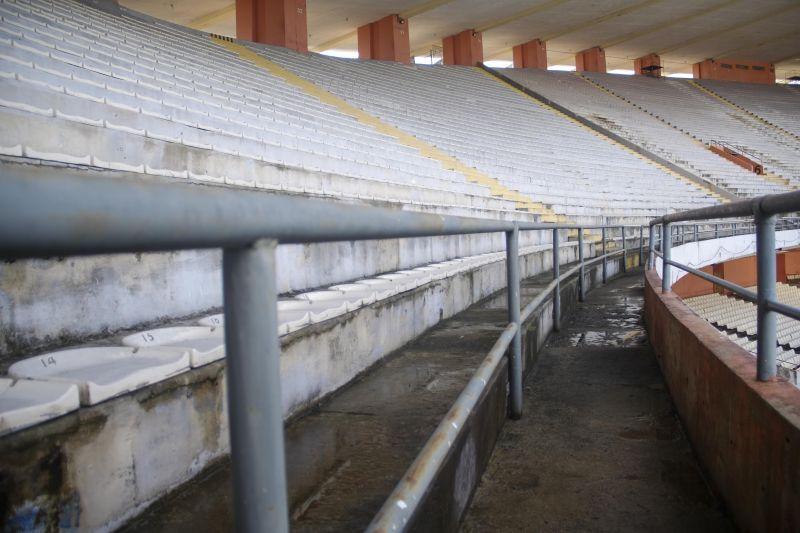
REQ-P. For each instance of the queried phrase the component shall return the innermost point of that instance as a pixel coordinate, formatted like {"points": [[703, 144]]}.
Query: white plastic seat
{"points": [[25, 402], [333, 298], [212, 320], [318, 310], [288, 320], [102, 373], [383, 288], [205, 344], [357, 293]]}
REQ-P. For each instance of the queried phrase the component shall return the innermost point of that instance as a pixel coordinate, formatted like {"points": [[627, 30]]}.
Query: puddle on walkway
{"points": [[629, 337]]}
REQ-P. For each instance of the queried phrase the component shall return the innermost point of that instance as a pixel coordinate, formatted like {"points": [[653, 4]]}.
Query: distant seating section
{"points": [[778, 104], [690, 109], [633, 124], [502, 133], [738, 318]]}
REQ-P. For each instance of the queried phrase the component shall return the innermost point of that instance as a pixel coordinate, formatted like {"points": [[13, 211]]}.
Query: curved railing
{"points": [[764, 211], [46, 213]]}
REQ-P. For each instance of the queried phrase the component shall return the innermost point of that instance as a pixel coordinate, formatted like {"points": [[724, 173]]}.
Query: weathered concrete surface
{"points": [[345, 457], [49, 303], [144, 459], [599, 447], [746, 432]]}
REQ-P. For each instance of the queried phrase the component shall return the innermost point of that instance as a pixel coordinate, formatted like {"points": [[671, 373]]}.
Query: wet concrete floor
{"points": [[599, 447], [345, 457]]}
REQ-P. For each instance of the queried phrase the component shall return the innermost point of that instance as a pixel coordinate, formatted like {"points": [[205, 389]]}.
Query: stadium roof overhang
{"points": [[683, 32]]}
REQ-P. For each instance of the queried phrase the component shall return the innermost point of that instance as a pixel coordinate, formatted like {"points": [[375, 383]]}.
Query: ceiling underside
{"points": [[683, 32]]}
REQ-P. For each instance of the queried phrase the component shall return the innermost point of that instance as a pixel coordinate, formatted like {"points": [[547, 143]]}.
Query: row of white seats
{"points": [[581, 97], [787, 358], [495, 129], [52, 384], [777, 103], [69, 61], [686, 107], [738, 315]]}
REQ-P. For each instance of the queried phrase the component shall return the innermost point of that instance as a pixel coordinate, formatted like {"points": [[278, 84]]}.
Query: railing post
{"points": [[624, 251], [666, 249], [605, 269], [515, 360], [641, 246], [556, 274], [581, 270], [696, 233], [734, 228], [255, 411], [767, 280], [651, 256], [716, 231]]}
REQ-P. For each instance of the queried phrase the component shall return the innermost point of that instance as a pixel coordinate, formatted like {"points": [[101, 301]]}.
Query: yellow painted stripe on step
{"points": [[448, 162]]}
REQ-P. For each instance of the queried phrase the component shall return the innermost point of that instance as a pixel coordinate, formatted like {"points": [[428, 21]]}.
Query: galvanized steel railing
{"points": [[52, 214], [764, 211]]}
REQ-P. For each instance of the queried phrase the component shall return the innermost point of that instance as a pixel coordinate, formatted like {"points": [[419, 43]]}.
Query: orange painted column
{"points": [[532, 54], [385, 39], [591, 60], [649, 65], [791, 263], [275, 22], [734, 70], [465, 48]]}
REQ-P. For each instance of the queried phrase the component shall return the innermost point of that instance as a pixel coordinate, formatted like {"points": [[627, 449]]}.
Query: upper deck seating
{"points": [[146, 87], [495, 129], [708, 119], [635, 125], [776, 103]]}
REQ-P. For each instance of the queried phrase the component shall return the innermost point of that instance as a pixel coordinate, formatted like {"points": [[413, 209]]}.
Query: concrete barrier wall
{"points": [[51, 303], [95, 468], [745, 433], [454, 486]]}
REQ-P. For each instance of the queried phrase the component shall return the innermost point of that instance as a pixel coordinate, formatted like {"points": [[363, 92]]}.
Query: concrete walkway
{"points": [[599, 447]]}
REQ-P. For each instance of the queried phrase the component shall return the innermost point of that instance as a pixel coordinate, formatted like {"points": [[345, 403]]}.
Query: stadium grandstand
{"points": [[420, 265]]}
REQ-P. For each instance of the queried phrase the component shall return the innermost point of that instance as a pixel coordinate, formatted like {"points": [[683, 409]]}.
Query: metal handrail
{"points": [[69, 212], [764, 211], [741, 149]]}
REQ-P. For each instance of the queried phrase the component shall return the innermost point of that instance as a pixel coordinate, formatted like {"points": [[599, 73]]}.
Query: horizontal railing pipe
{"points": [[744, 293], [402, 504], [74, 214], [771, 204], [68, 213], [762, 220]]}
